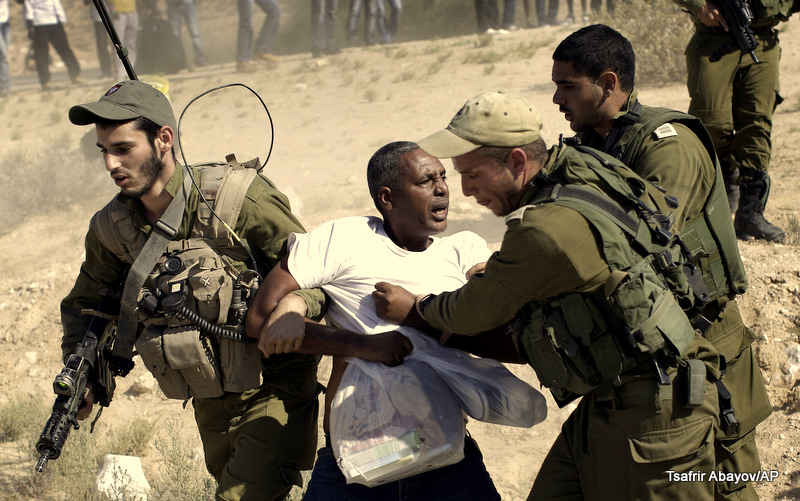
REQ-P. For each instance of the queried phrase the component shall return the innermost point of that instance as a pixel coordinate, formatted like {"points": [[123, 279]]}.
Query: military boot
{"points": [[750, 221]]}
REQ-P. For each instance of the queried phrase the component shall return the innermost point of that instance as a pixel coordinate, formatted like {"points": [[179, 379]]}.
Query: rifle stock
{"points": [[87, 367]]}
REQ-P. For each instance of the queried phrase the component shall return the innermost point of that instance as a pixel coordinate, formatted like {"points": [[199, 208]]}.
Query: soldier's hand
{"points": [[85, 410], [710, 16], [394, 303], [285, 329], [476, 270], [389, 348]]}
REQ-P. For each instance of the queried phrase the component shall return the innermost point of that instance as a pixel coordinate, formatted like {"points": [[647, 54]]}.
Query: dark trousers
{"points": [[609, 6], [370, 22], [487, 14], [53, 34], [509, 12], [103, 45], [466, 480], [323, 24], [268, 33], [546, 11]]}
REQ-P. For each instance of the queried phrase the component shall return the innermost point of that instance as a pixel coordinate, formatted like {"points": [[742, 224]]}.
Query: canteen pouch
{"points": [[240, 364], [181, 360]]}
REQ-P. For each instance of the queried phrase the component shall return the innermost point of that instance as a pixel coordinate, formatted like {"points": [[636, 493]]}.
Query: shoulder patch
{"points": [[665, 131], [517, 214]]}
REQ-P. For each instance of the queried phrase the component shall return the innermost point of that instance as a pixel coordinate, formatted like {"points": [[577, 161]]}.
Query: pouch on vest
{"points": [[765, 9], [649, 310], [181, 360], [240, 364]]}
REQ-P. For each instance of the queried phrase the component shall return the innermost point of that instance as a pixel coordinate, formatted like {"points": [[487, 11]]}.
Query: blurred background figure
{"points": [[509, 13], [609, 6], [45, 22], [5, 83], [179, 11], [388, 24], [546, 12], [126, 22], [370, 21], [266, 37], [571, 17], [323, 27], [101, 41], [487, 15]]}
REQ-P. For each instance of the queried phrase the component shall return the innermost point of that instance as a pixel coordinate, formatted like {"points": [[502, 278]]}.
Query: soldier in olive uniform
{"points": [[735, 98], [593, 70], [632, 432], [256, 441]]}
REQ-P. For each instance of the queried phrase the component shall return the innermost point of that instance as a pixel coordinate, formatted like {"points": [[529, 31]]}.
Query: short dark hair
{"points": [[596, 49], [536, 150], [385, 169]]}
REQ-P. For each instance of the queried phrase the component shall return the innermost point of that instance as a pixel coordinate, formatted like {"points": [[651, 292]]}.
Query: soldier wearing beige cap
{"points": [[569, 281]]}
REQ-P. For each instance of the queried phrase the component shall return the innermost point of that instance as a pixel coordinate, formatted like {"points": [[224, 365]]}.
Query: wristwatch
{"points": [[422, 302]]}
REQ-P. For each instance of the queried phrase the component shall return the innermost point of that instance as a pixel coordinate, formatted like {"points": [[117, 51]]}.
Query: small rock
{"points": [[142, 385], [121, 477]]}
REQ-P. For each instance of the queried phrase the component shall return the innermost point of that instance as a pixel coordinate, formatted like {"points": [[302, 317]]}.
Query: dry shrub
{"points": [[49, 175], [659, 32]]}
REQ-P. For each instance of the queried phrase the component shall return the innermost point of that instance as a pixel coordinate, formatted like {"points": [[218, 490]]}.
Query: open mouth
{"points": [[439, 211], [119, 179]]}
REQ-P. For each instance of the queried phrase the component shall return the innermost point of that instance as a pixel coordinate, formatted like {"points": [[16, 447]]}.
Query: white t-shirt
{"points": [[347, 257]]}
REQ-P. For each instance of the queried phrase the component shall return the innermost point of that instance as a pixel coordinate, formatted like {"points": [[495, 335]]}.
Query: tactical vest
{"points": [[194, 302], [767, 10], [578, 341], [709, 236]]}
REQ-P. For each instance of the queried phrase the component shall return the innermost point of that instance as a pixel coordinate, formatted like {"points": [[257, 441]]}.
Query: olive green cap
{"points": [[488, 119], [127, 100]]}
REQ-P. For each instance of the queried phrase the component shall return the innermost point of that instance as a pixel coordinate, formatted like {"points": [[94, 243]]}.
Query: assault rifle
{"points": [[87, 366], [737, 16]]}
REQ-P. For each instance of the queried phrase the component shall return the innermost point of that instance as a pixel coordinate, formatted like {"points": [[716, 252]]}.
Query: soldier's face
{"points": [[419, 207], [492, 184], [130, 159], [578, 97]]}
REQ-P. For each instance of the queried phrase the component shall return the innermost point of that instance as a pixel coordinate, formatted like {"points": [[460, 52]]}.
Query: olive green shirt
{"points": [[546, 251], [264, 224], [679, 163]]}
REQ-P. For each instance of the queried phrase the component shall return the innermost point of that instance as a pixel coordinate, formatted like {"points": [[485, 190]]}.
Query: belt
{"points": [[638, 391], [718, 30]]}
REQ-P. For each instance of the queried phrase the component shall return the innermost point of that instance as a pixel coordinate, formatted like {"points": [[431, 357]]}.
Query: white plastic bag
{"points": [[389, 423], [485, 389]]}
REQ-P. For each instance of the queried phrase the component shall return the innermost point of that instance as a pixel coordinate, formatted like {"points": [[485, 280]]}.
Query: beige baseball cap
{"points": [[488, 119], [127, 100]]}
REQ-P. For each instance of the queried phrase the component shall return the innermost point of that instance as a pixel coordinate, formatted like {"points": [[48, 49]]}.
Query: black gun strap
{"points": [[164, 230]]}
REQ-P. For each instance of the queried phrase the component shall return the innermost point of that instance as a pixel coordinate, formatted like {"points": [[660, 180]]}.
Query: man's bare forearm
{"points": [[388, 347]]}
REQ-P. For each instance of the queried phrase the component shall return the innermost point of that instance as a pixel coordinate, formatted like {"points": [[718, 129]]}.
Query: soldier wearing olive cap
{"points": [[257, 437], [563, 274]]}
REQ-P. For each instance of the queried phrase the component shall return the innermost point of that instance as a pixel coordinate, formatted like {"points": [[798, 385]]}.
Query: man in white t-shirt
{"points": [[345, 257]]}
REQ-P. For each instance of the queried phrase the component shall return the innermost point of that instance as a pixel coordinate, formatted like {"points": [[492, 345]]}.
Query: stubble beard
{"points": [[150, 171]]}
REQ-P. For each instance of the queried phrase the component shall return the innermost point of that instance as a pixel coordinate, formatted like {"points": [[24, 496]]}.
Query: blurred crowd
{"points": [[151, 31]]}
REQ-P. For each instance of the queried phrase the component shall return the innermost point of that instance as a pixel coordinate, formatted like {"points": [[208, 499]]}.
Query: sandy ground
{"points": [[328, 117]]}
